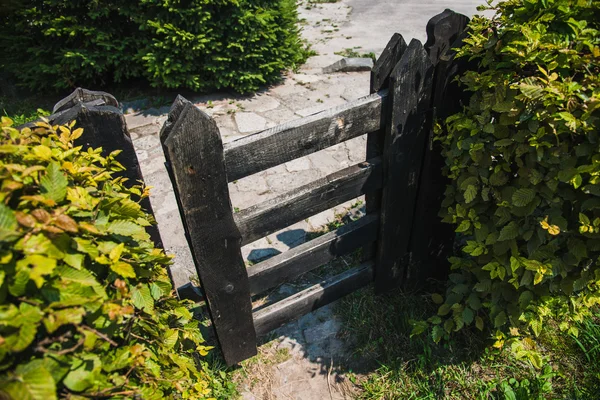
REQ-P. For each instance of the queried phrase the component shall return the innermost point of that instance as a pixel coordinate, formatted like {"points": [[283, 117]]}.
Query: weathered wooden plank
{"points": [[432, 240], [266, 149], [297, 305], [443, 30], [312, 254], [272, 215], [194, 154], [380, 75], [406, 134], [104, 126]]}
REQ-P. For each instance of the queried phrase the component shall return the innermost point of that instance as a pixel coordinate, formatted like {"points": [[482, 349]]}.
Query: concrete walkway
{"points": [[358, 25]]}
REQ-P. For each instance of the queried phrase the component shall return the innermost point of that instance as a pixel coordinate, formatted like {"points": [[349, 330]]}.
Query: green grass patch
{"points": [[352, 53], [395, 366], [24, 110]]}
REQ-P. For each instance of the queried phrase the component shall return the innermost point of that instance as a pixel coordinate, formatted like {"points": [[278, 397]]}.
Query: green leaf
{"points": [[124, 269], [81, 375], [464, 226], [510, 231], [468, 315], [54, 183], [127, 228], [523, 197], [437, 298], [141, 297], [170, 338], [437, 333], [41, 266], [479, 323], [8, 223], [470, 194], [500, 319], [444, 309], [156, 291], [30, 381]]}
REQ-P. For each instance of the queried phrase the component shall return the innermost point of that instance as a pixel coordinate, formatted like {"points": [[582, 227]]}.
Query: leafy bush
{"points": [[524, 160], [86, 305], [196, 44]]}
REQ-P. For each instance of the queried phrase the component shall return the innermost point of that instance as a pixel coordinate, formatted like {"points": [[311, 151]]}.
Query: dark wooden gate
{"points": [[404, 243]]}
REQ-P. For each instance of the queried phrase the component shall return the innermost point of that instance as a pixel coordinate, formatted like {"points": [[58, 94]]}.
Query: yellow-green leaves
{"points": [[85, 297], [54, 183], [523, 157]]}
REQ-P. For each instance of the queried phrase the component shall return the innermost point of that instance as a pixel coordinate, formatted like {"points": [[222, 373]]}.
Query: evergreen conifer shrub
{"points": [[194, 44]]}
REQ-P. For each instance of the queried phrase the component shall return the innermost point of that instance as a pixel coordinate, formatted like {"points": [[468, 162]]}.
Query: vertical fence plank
{"points": [[104, 126], [194, 153], [380, 77], [406, 132], [432, 240]]}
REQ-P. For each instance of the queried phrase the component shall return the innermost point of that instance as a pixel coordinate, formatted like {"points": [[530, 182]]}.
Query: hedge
{"points": [[524, 162], [196, 44], [87, 309]]}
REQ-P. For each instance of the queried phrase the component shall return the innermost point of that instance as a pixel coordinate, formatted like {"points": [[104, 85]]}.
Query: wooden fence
{"points": [[404, 243]]}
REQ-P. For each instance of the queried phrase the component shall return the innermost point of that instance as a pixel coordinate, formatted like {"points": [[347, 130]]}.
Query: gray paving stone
{"points": [[260, 103], [248, 122], [305, 78], [322, 331], [299, 164], [325, 162], [280, 115], [353, 64], [253, 183], [142, 118], [285, 182]]}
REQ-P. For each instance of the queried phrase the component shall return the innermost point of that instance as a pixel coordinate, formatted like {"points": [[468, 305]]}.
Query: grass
{"points": [[352, 53], [24, 110], [466, 367]]}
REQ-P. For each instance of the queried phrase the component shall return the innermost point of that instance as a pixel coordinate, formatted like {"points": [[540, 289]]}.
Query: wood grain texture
{"points": [[432, 240], [272, 215], [81, 95], [298, 138], [310, 255], [442, 31], [194, 152], [407, 132], [380, 75], [295, 306]]}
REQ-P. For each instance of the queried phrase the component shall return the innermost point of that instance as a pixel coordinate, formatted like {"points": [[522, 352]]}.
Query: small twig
{"points": [[139, 337], [328, 375], [42, 349], [100, 335]]}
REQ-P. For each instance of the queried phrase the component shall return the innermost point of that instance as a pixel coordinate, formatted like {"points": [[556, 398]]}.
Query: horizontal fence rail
{"points": [[276, 315], [272, 215], [401, 180], [301, 137], [310, 255]]}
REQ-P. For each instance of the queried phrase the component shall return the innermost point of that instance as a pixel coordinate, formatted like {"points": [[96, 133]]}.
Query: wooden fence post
{"points": [[380, 79], [104, 126], [196, 163], [407, 129], [431, 239]]}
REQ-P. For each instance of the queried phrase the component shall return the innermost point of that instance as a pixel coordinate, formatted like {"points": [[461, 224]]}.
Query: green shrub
{"points": [[524, 161], [86, 305], [194, 44]]}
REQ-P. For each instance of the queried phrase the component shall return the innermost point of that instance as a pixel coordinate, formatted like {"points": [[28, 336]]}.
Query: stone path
{"points": [[311, 369]]}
